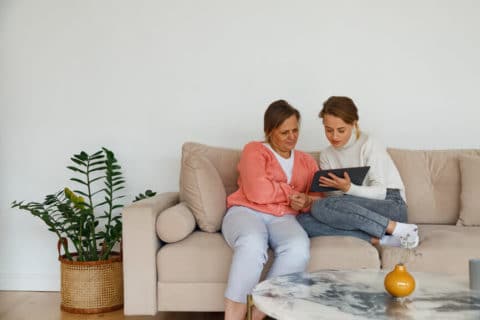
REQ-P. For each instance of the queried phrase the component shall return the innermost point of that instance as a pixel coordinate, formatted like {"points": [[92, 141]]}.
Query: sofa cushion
{"points": [[432, 183], [206, 257], [224, 160], [338, 252], [203, 191], [201, 257], [469, 199], [175, 223], [442, 249]]}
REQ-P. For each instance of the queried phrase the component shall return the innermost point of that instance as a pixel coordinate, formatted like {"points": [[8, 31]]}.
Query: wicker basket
{"points": [[91, 286]]}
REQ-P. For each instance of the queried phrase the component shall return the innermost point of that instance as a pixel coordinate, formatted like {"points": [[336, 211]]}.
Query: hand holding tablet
{"points": [[356, 174]]}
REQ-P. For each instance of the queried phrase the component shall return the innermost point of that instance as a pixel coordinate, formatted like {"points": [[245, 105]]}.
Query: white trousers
{"points": [[249, 233]]}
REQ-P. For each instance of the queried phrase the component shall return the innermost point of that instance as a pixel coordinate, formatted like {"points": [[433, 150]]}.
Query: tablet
{"points": [[357, 175]]}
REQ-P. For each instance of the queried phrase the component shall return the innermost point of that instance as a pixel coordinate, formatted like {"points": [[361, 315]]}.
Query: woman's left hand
{"points": [[300, 201], [336, 182]]}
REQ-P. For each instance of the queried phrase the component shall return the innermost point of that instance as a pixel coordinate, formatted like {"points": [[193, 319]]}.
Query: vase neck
{"points": [[400, 267]]}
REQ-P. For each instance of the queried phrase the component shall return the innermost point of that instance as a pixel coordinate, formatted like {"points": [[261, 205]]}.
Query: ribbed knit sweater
{"points": [[365, 151]]}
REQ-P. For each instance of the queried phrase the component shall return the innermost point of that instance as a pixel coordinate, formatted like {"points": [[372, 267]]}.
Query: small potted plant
{"points": [[89, 219]]}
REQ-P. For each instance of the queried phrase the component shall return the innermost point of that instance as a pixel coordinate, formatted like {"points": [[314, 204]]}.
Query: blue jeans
{"points": [[249, 233], [354, 216]]}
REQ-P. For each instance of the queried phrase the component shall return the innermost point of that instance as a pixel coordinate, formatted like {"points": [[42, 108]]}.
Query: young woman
{"points": [[273, 180], [374, 211]]}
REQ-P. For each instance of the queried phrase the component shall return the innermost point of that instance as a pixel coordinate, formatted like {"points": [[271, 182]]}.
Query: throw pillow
{"points": [[469, 199], [203, 191], [175, 223]]}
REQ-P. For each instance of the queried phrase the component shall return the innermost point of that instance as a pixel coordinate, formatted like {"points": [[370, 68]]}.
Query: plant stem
{"points": [[93, 241]]}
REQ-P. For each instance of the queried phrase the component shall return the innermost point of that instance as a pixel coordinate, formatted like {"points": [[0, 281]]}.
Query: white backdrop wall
{"points": [[142, 77]]}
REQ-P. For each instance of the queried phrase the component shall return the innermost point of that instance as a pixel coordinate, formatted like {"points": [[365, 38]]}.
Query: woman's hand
{"points": [[300, 201], [336, 182]]}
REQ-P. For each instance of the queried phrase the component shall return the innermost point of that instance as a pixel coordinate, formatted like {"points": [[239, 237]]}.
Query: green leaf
{"points": [[75, 169], [97, 178], [79, 181], [101, 204], [96, 163], [79, 161], [116, 183], [98, 169], [98, 153]]}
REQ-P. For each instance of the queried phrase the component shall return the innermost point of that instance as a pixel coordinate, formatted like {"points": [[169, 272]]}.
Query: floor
{"points": [[27, 305]]}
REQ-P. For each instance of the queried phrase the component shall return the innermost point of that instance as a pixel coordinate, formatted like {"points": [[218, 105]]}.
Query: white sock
{"points": [[390, 241], [404, 229], [407, 234]]}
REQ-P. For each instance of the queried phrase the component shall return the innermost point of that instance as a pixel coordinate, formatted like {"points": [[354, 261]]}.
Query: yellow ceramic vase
{"points": [[399, 283]]}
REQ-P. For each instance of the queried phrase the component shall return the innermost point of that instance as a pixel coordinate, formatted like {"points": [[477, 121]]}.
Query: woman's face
{"points": [[336, 130], [284, 138]]}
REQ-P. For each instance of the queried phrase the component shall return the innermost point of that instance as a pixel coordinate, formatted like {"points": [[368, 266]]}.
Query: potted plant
{"points": [[89, 219]]}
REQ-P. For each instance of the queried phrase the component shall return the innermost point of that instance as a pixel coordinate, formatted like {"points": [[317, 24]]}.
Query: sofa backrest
{"points": [[431, 178], [432, 183], [225, 160]]}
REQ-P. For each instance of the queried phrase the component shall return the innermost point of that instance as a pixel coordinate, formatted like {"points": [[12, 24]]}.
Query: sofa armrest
{"points": [[140, 246]]}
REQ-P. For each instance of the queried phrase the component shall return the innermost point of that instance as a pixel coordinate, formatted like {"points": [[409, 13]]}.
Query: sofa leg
{"points": [[249, 306]]}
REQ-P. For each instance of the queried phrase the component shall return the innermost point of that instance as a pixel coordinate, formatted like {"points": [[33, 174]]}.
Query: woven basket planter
{"points": [[91, 286]]}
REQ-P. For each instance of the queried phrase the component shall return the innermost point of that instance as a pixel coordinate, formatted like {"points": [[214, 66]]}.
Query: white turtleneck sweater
{"points": [[360, 152]]}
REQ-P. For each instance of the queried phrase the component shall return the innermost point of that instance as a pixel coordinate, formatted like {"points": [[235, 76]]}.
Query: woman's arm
{"points": [[257, 177], [375, 186], [302, 201]]}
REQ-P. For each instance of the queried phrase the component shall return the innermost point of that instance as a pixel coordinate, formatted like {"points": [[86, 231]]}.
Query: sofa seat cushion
{"points": [[200, 257], [205, 257], [442, 249], [338, 252]]}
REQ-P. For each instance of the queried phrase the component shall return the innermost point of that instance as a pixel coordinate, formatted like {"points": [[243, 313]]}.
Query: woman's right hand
{"points": [[300, 201]]}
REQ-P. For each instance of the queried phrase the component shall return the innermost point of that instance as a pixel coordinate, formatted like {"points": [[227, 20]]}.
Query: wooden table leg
{"points": [[249, 306]]}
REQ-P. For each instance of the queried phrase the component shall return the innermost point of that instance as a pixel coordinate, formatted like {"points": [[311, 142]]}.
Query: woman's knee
{"points": [[297, 248], [253, 245], [323, 209], [328, 203]]}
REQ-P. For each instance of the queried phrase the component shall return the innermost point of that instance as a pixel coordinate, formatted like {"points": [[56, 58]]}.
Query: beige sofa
{"points": [[187, 270]]}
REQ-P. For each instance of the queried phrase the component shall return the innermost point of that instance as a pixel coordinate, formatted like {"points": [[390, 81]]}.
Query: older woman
{"points": [[272, 185]]}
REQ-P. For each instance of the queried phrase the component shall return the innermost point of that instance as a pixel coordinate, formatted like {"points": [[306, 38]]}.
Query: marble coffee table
{"points": [[360, 294]]}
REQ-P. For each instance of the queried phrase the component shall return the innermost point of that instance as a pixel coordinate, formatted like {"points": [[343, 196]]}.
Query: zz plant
{"points": [[74, 214]]}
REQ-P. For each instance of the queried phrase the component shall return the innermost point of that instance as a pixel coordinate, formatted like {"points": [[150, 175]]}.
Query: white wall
{"points": [[142, 77]]}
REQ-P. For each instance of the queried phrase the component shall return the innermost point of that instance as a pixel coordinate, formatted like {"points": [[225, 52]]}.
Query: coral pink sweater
{"points": [[262, 183]]}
